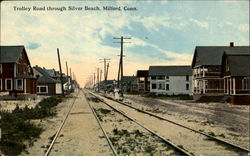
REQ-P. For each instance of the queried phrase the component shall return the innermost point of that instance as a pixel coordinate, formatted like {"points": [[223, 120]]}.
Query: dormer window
{"points": [[227, 65]]}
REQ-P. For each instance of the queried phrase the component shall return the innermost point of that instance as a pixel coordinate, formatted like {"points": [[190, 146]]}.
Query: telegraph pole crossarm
{"points": [[120, 71]]}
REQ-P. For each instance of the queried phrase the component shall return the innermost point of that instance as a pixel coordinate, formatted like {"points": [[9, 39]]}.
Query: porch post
{"points": [[25, 86], [234, 91], [204, 86]]}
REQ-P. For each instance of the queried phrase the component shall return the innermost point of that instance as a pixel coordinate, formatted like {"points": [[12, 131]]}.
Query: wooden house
{"points": [[46, 85], [129, 84], [208, 85], [170, 80], [16, 75], [236, 75], [143, 81]]}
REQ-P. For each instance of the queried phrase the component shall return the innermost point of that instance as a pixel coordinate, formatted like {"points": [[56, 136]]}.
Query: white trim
{"points": [[10, 84], [39, 89], [15, 69], [25, 89], [17, 84], [234, 91], [1, 84]]}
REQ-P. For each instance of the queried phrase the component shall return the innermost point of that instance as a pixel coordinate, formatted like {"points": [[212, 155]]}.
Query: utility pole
{"points": [[106, 76], [59, 61], [67, 71], [105, 60], [98, 79], [100, 75], [120, 72]]}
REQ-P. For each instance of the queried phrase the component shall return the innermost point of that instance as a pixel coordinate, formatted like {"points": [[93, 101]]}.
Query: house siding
{"points": [[177, 86]]}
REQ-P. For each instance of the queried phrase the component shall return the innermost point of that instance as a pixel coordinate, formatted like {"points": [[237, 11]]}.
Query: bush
{"points": [[17, 128]]}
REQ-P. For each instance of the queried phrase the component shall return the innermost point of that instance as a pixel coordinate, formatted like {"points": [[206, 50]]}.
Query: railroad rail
{"points": [[60, 128], [183, 152], [244, 150], [103, 131]]}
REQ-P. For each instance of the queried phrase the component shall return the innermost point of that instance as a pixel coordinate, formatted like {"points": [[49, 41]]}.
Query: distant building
{"points": [[46, 85], [206, 65], [16, 75], [170, 80], [143, 81], [129, 83], [236, 75]]}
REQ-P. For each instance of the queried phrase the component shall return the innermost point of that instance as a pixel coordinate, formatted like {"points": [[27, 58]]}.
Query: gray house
{"points": [[46, 85], [170, 80], [206, 65]]}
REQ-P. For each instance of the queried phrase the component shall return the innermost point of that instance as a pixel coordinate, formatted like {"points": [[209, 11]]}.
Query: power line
{"points": [[120, 71]]}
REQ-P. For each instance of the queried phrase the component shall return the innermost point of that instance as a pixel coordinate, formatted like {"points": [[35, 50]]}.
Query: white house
{"points": [[170, 80]]}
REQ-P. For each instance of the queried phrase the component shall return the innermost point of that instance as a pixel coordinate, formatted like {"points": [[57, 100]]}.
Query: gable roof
{"points": [[128, 79], [10, 54], [51, 72], [142, 73], [170, 70], [212, 55], [239, 65], [45, 78]]}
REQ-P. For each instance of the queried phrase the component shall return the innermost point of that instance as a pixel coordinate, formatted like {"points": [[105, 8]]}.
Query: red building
{"points": [[208, 83], [236, 75], [16, 74]]}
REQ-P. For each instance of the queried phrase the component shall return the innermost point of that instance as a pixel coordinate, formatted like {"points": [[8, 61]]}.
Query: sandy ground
{"points": [[195, 143], [11, 104], [79, 136], [130, 138], [227, 122]]}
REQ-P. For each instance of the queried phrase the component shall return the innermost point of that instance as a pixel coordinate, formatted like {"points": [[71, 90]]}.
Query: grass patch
{"points": [[17, 128], [170, 97], [93, 99]]}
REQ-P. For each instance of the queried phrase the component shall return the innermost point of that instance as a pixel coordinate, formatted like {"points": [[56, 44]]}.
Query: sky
{"points": [[161, 32]]}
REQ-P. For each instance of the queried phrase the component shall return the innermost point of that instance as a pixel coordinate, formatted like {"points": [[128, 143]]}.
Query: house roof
{"points": [[170, 70], [51, 72], [142, 73], [212, 55], [10, 54], [45, 78], [128, 79], [239, 65], [25, 77]]}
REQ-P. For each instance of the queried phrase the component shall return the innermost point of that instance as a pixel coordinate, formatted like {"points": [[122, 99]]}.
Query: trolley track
{"points": [[178, 149], [60, 128], [242, 150]]}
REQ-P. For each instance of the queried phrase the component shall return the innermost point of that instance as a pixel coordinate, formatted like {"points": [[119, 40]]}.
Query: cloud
{"points": [[33, 45], [200, 23]]}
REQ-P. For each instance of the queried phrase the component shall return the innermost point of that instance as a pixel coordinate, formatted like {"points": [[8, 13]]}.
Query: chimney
{"points": [[231, 44]]}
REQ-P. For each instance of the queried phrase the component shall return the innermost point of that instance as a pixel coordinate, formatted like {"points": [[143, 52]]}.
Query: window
{"points": [[153, 85], [167, 78], [8, 84], [187, 86], [141, 79], [42, 89], [246, 83], [1, 84], [227, 65], [161, 77], [187, 78], [1, 70], [161, 86], [167, 86], [19, 84], [153, 77]]}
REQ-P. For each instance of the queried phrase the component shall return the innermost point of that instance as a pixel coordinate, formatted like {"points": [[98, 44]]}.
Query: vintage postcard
{"points": [[106, 77]]}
